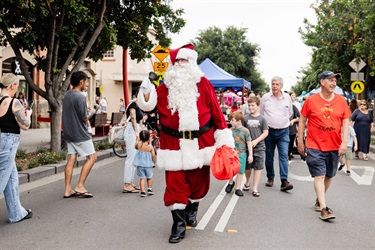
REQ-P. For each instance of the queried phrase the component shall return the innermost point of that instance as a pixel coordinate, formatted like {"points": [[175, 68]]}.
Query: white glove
{"points": [[147, 86]]}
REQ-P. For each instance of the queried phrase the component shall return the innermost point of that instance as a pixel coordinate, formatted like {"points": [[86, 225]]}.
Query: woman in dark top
{"points": [[131, 133], [13, 117], [293, 130], [363, 126]]}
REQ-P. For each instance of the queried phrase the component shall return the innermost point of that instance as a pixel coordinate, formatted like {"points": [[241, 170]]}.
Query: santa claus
{"points": [[192, 127]]}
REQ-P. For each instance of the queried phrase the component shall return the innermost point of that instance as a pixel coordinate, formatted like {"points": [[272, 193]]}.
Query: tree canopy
{"points": [[345, 30], [71, 31], [231, 51]]}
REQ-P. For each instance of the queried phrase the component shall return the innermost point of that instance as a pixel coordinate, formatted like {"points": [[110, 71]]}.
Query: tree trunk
{"points": [[56, 130]]}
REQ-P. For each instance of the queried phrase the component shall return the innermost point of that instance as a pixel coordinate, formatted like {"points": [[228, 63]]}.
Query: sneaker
{"points": [[327, 214], [229, 187], [341, 166], [269, 183], [348, 172], [238, 192], [285, 185], [150, 191], [143, 194], [317, 207]]}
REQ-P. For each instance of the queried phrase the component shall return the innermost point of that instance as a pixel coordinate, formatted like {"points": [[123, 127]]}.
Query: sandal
{"points": [[365, 158], [246, 188], [256, 194]]}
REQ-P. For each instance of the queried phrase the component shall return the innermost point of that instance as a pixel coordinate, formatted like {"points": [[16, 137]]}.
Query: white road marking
{"points": [[365, 179], [367, 176], [228, 211]]}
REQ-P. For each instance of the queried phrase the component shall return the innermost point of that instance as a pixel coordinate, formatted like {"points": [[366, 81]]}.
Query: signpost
{"points": [[160, 67], [357, 86]]}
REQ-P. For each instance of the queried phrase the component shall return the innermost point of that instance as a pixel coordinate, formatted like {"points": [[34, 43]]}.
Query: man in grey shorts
{"points": [[76, 135]]}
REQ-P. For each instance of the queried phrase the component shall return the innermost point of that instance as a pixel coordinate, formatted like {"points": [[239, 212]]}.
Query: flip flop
{"points": [[70, 196], [28, 215], [84, 195], [246, 188], [134, 190], [136, 187], [256, 194]]}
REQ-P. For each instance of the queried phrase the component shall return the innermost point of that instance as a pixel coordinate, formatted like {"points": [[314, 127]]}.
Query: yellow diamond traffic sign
{"points": [[160, 52], [357, 87]]}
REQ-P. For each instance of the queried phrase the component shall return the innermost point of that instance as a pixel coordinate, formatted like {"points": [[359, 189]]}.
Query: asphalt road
{"points": [[275, 220]]}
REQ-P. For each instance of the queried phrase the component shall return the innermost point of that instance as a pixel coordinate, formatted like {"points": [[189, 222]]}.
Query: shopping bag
{"points": [[225, 163], [116, 134]]}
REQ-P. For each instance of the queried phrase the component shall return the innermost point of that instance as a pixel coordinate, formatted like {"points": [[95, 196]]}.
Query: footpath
{"points": [[33, 139]]}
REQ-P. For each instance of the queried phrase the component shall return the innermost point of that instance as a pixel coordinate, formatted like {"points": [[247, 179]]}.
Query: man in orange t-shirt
{"points": [[328, 116]]}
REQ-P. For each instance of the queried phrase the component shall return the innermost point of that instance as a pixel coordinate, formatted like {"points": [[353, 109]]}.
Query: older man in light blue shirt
{"points": [[276, 107]]}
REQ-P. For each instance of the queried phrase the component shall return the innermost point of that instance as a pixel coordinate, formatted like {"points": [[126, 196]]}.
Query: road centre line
{"points": [[211, 210]]}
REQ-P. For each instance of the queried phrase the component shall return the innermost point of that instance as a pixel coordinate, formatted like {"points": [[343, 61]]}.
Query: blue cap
{"points": [[329, 74]]}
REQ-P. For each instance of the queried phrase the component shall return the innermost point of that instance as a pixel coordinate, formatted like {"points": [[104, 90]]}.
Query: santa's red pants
{"points": [[183, 185]]}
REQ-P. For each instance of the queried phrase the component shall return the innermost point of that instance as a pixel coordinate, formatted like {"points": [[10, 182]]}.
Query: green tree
{"points": [[344, 30], [231, 51], [71, 31]]}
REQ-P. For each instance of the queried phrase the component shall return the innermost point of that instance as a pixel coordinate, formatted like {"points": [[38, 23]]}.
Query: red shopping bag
{"points": [[225, 163]]}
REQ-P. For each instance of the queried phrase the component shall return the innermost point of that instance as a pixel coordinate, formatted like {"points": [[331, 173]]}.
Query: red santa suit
{"points": [[190, 133]]}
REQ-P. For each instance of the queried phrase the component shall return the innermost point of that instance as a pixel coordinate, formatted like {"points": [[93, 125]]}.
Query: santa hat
{"points": [[184, 52]]}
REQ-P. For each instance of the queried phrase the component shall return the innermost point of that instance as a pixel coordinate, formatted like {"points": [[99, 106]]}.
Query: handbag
{"points": [[225, 163]]}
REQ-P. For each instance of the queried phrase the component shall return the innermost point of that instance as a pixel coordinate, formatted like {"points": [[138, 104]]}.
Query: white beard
{"points": [[181, 81]]}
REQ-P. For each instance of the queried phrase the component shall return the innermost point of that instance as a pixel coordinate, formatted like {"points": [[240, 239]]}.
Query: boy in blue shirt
{"points": [[242, 140]]}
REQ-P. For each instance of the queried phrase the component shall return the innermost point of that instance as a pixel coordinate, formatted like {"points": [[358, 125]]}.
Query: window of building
{"points": [[109, 54]]}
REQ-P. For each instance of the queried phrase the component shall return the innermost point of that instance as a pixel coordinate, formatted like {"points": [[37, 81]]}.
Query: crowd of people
{"points": [[193, 123]]}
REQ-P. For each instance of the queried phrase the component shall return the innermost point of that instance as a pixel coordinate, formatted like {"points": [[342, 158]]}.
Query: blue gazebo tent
{"points": [[220, 78], [337, 90]]}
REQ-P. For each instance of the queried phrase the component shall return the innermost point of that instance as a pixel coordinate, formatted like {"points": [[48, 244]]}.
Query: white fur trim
{"points": [[224, 137], [185, 53], [172, 160], [177, 206], [150, 104]]}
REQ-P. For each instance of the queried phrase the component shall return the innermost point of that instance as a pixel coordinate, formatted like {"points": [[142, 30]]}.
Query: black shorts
{"points": [[322, 163]]}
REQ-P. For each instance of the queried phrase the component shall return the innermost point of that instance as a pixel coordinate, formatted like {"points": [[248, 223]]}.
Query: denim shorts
{"points": [[258, 163], [84, 148], [322, 163], [144, 172]]}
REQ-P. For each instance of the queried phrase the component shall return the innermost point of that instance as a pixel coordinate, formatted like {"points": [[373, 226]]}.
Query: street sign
{"points": [[357, 76], [160, 66], [357, 64], [160, 79], [357, 87], [160, 53]]}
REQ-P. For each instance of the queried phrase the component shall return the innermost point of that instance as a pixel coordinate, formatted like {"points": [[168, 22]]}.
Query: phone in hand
{"points": [[30, 106]]}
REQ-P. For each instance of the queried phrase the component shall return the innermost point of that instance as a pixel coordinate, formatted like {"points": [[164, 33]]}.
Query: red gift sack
{"points": [[225, 163]]}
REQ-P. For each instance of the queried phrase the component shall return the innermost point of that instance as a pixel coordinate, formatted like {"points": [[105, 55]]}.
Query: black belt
{"points": [[187, 134], [276, 128]]}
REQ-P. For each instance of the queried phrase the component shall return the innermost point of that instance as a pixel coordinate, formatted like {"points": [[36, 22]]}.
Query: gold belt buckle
{"points": [[184, 135]]}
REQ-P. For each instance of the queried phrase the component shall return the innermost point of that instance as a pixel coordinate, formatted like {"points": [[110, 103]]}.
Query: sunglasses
{"points": [[362, 104]]}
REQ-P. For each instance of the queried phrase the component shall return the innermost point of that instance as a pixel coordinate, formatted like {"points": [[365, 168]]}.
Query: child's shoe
{"points": [[348, 172], [239, 192], [341, 166], [150, 191]]}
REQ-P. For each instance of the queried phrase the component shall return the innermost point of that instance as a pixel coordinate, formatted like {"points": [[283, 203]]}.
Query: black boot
{"points": [[179, 226], [191, 211]]}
